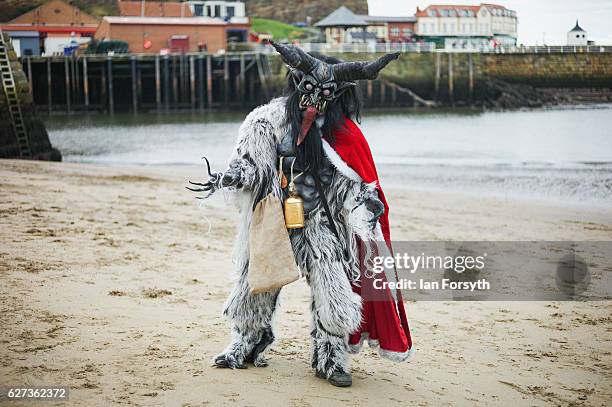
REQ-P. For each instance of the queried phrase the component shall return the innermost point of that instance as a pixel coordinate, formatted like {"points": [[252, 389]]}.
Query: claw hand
{"points": [[214, 182], [374, 206], [377, 208]]}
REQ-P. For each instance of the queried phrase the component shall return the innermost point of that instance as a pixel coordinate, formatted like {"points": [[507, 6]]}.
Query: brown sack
{"points": [[271, 261]]}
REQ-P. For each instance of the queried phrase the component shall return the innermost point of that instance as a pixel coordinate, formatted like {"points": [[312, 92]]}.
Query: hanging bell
{"points": [[294, 209]]}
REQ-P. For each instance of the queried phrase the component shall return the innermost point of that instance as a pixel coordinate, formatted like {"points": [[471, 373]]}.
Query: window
{"points": [[198, 10], [217, 11], [209, 11], [577, 35], [395, 31], [444, 27], [230, 11], [407, 31]]}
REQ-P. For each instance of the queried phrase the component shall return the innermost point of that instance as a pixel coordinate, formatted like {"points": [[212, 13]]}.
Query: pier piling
{"points": [[241, 80], [471, 76], [85, 84], [209, 81], [109, 80], [157, 84], [30, 75], [451, 80], [67, 83], [192, 82], [166, 82], [437, 78], [134, 84], [49, 86], [226, 81], [201, 81]]}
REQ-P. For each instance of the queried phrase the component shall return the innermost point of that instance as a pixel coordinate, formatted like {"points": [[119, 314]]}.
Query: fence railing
{"points": [[431, 47], [563, 49], [370, 47]]}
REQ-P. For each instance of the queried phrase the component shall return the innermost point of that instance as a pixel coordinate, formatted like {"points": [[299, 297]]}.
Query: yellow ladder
{"points": [[14, 107]]}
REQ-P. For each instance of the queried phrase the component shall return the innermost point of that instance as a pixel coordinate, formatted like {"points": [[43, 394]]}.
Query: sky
{"points": [[539, 21]]}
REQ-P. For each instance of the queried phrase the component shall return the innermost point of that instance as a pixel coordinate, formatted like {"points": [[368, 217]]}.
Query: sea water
{"points": [[561, 153]]}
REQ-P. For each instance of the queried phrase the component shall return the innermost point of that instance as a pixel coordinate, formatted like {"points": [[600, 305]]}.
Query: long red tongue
{"points": [[309, 117]]}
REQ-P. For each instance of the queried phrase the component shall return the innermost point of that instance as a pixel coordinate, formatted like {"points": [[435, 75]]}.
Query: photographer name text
{"points": [[435, 285]]}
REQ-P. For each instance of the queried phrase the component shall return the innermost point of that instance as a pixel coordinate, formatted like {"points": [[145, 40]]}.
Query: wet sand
{"points": [[112, 282]]}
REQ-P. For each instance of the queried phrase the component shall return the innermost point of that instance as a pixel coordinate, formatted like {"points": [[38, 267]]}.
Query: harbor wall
{"points": [[204, 81], [40, 145]]}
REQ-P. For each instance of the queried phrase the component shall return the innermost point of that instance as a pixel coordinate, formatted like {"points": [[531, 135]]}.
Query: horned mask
{"points": [[320, 82]]}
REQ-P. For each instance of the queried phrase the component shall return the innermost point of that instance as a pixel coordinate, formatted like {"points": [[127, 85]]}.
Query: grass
{"points": [[10, 9], [279, 30]]}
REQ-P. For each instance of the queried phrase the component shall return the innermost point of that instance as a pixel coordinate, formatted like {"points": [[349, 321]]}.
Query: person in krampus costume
{"points": [[326, 155]]}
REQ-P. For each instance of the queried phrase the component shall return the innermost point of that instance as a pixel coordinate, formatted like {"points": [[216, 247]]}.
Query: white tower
{"points": [[577, 36]]}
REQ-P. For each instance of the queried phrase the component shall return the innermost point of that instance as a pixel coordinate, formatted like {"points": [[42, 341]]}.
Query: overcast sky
{"points": [[537, 19]]}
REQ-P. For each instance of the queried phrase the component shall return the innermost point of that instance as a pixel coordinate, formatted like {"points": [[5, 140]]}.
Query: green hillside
{"points": [[278, 29], [10, 9]]}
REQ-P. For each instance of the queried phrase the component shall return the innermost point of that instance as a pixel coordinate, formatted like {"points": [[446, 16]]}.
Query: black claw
{"points": [[196, 190], [197, 183], [208, 167], [221, 361]]}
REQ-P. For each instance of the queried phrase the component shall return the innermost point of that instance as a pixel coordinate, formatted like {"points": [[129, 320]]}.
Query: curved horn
{"points": [[295, 57], [352, 71]]}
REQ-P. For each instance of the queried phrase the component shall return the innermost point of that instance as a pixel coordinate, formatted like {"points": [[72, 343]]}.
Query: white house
{"points": [[577, 36], [467, 27], [231, 11]]}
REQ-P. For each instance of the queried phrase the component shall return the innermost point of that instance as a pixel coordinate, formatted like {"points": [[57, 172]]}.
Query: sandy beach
{"points": [[112, 281]]}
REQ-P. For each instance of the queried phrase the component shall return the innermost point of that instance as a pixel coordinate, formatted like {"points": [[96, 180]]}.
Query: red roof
{"points": [[154, 9], [49, 28], [493, 5], [438, 7]]}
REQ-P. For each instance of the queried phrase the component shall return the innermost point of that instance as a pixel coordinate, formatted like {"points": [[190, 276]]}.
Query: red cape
{"points": [[384, 321]]}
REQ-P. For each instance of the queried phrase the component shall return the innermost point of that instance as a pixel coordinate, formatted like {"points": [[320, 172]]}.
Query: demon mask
{"points": [[319, 83]]}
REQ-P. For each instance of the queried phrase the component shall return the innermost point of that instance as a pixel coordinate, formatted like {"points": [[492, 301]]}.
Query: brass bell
{"points": [[294, 209]]}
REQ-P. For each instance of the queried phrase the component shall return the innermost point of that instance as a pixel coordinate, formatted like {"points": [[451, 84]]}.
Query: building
{"points": [[391, 29], [55, 27], [232, 11], [343, 25], [336, 26], [467, 27], [577, 36], [361, 36], [154, 9], [171, 34]]}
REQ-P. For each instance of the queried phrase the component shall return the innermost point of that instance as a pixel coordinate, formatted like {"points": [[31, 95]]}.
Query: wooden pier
{"points": [[141, 83]]}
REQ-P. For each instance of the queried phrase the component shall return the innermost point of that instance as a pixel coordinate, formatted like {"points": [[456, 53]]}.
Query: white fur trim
{"points": [[388, 354], [339, 164]]}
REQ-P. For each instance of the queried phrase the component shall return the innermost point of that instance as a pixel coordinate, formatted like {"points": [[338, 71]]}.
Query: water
{"points": [[561, 154]]}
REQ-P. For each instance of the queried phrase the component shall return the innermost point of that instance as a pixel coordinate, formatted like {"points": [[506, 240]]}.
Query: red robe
{"points": [[384, 321]]}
